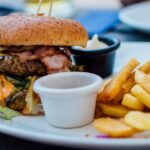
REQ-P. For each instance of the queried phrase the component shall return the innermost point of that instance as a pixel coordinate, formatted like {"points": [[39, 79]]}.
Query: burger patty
{"points": [[11, 65], [17, 48], [34, 60]]}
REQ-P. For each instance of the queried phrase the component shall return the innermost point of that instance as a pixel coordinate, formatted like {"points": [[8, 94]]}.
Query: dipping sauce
{"points": [[98, 57], [93, 44]]}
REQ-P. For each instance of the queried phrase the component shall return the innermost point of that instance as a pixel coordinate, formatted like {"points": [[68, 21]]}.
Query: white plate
{"points": [[37, 129], [137, 16]]}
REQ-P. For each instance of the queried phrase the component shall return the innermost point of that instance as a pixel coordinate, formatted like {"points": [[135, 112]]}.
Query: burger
{"points": [[30, 47]]}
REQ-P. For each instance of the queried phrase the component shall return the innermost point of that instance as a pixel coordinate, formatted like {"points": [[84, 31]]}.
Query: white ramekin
{"points": [[68, 98]]}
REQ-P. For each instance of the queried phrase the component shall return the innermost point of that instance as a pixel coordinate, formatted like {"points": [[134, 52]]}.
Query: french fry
{"points": [[98, 112], [113, 127], [117, 111], [119, 97], [138, 120], [114, 87], [145, 68], [133, 88], [129, 84], [141, 94], [132, 102], [105, 83], [143, 80]]}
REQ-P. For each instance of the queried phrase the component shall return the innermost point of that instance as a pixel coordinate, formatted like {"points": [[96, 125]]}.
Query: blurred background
{"points": [[61, 8], [98, 16]]}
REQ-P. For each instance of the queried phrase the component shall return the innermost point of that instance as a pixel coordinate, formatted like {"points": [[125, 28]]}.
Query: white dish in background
{"points": [[137, 16], [37, 129]]}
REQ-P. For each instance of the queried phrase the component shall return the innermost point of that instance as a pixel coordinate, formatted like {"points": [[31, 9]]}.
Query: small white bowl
{"points": [[68, 98]]}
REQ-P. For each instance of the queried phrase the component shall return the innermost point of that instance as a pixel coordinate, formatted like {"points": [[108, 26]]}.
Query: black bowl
{"points": [[100, 61]]}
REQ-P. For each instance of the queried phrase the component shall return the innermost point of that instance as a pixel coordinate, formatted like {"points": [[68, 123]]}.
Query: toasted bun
{"points": [[21, 29]]}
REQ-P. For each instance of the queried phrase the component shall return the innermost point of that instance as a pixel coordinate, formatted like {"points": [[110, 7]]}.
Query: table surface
{"points": [[10, 143]]}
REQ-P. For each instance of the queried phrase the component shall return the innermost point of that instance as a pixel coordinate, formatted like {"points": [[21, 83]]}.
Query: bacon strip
{"points": [[54, 59], [55, 63]]}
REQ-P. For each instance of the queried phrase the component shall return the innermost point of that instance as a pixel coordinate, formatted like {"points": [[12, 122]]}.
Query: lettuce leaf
{"points": [[7, 113]]}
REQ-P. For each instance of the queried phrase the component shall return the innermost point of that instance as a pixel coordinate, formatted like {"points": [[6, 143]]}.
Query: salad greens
{"points": [[7, 113]]}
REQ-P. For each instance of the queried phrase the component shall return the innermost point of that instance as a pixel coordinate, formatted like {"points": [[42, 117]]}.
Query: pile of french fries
{"points": [[123, 103]]}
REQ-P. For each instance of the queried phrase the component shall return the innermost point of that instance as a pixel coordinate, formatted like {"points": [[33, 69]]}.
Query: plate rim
{"points": [[133, 23], [64, 140], [55, 139]]}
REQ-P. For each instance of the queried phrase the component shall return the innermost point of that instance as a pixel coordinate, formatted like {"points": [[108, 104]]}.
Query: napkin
{"points": [[98, 21]]}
